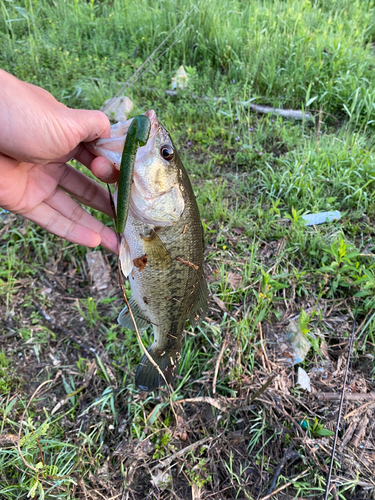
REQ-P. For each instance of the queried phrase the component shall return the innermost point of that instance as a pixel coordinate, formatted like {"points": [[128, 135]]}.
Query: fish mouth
{"points": [[154, 122], [149, 146], [112, 148]]}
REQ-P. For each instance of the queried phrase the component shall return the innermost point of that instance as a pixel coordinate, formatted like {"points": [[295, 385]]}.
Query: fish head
{"points": [[156, 194]]}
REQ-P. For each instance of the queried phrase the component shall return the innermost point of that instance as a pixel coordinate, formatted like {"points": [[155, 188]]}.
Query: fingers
{"points": [[62, 216], [85, 190], [104, 170], [79, 153], [91, 124]]}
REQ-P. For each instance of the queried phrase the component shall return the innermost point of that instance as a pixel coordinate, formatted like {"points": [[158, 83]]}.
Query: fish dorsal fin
{"points": [[125, 319], [125, 258], [200, 306], [157, 255]]}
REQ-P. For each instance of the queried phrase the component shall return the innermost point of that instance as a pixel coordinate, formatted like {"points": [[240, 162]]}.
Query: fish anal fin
{"points": [[125, 319], [200, 306], [157, 255]]}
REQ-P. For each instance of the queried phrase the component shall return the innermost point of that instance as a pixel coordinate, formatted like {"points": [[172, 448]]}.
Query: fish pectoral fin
{"points": [[125, 258], [148, 377], [157, 254], [125, 320], [200, 306]]}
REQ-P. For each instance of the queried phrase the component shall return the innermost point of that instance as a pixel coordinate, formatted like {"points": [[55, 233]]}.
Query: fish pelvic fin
{"points": [[147, 377]]}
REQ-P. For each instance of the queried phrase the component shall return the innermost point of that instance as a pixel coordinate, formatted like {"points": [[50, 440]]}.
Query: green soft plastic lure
{"points": [[137, 136]]}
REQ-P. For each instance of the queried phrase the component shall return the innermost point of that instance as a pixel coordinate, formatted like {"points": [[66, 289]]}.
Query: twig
{"points": [[54, 383], [81, 482], [167, 462], [89, 375], [367, 440], [262, 345], [216, 403], [341, 405], [285, 113], [271, 378], [19, 439], [258, 108], [348, 396], [289, 454], [7, 336], [334, 492], [360, 431], [40, 450], [62, 329], [285, 485], [221, 354], [188, 263], [359, 410], [21, 423]]}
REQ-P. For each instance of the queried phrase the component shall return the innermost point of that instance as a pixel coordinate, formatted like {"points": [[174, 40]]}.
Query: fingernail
{"points": [[105, 171]]}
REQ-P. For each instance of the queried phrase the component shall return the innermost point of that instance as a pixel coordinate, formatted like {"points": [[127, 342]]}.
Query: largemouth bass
{"points": [[161, 249]]}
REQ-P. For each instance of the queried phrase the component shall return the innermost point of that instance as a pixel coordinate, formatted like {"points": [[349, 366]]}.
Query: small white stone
{"points": [[303, 379], [118, 109]]}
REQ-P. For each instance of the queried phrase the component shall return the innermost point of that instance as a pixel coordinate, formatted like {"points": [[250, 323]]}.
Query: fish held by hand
{"points": [[161, 250]]}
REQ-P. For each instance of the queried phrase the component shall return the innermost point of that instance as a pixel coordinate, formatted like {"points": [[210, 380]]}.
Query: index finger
{"points": [[85, 190]]}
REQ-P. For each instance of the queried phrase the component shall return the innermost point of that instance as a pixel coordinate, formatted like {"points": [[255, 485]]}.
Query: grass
{"points": [[254, 177]]}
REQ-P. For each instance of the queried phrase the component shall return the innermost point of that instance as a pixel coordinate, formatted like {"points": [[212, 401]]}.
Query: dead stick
{"points": [[285, 113], [21, 423], [271, 378], [221, 354], [341, 404], [167, 462], [336, 396], [367, 441], [360, 431], [62, 329], [285, 485], [216, 403], [262, 345], [358, 410], [19, 439], [288, 454], [7, 336], [258, 108]]}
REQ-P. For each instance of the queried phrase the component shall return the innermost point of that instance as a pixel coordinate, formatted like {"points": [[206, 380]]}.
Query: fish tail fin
{"points": [[148, 377]]}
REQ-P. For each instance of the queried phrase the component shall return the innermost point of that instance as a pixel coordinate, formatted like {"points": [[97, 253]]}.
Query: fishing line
{"points": [[345, 422], [130, 81], [154, 62], [341, 403]]}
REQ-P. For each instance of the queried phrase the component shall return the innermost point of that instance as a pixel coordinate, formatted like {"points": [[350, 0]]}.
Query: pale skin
{"points": [[38, 135]]}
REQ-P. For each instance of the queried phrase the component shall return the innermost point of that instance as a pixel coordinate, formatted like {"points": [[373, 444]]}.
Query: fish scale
{"points": [[161, 249], [171, 292]]}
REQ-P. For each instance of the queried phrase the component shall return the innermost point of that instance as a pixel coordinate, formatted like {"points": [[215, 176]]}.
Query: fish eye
{"points": [[167, 152]]}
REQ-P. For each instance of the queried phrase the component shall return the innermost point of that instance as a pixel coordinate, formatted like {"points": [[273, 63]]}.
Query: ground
{"points": [[237, 424]]}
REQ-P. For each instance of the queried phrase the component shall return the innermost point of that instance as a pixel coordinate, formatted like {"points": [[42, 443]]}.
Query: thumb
{"points": [[91, 125]]}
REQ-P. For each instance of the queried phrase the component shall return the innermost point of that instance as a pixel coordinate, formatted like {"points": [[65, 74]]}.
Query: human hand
{"points": [[38, 136]]}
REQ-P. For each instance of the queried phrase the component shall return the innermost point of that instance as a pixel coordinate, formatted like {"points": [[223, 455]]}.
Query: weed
{"points": [[254, 178]]}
